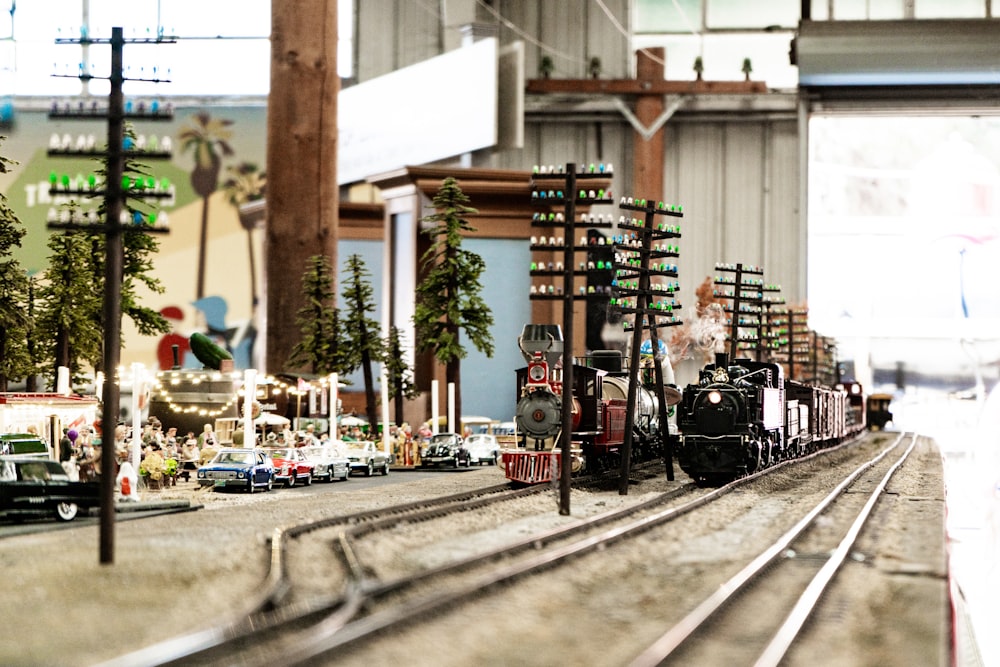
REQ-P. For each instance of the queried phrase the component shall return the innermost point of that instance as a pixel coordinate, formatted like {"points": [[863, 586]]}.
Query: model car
{"points": [[41, 487], [234, 467], [366, 458], [330, 463], [291, 466], [445, 449], [483, 448]]}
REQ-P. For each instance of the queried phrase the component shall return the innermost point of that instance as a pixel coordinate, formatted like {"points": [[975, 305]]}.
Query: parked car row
{"points": [[40, 487], [451, 449], [260, 469]]}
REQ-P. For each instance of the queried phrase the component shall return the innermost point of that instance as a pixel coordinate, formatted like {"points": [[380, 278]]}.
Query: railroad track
{"points": [[306, 630], [409, 602], [272, 610], [746, 612]]}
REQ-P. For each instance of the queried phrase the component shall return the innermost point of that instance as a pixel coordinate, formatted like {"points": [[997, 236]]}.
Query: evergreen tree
{"points": [[71, 298], [319, 349], [362, 345], [15, 321], [138, 249], [72, 292], [398, 373], [448, 300]]}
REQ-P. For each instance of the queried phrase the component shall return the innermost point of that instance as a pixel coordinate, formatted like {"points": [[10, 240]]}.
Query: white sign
{"points": [[433, 110]]}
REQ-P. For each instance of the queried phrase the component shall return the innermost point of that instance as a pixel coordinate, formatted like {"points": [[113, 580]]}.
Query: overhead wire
{"points": [[529, 38], [627, 33]]}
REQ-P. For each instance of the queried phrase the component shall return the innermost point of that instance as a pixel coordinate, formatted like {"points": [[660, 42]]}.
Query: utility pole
{"points": [[302, 190], [113, 229]]}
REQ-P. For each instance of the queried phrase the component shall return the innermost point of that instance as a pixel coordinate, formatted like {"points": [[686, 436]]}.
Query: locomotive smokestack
{"points": [[721, 360], [544, 338]]}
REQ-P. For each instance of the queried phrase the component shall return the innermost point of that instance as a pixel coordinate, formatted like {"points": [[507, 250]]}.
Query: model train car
{"points": [[599, 397], [879, 414], [744, 416]]}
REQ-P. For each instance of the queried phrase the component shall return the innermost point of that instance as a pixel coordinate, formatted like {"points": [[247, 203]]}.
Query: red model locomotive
{"points": [[600, 389]]}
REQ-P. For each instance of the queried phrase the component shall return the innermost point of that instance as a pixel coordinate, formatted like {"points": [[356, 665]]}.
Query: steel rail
{"points": [[660, 649], [318, 644], [790, 629], [268, 610]]}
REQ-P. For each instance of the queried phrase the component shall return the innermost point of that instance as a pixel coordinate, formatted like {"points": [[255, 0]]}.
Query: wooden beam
{"points": [[640, 87]]}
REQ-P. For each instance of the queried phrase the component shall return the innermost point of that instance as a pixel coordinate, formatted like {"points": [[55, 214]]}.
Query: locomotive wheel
{"points": [[754, 458]]}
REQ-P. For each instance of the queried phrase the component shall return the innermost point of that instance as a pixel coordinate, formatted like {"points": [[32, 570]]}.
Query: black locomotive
{"points": [[744, 416]]}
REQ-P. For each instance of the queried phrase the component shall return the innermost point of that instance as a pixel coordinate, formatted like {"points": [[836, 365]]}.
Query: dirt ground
{"points": [[175, 574]]}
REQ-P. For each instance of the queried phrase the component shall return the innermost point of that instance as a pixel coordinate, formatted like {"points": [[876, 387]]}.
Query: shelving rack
{"points": [[640, 240], [552, 189], [115, 192]]}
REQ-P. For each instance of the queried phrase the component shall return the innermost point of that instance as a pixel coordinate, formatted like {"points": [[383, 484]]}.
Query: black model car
{"points": [[40, 487], [445, 449]]}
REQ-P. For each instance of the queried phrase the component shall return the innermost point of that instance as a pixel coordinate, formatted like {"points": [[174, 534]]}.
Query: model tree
{"points": [[15, 321], [71, 293], [208, 139], [319, 348], [398, 373], [363, 346], [448, 300], [71, 298], [139, 249]]}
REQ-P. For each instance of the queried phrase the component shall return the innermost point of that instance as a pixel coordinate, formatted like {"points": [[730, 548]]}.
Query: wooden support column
{"points": [[302, 191], [647, 157]]}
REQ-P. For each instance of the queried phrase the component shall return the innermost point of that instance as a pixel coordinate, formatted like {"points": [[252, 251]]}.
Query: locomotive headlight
{"points": [[715, 397], [537, 373]]}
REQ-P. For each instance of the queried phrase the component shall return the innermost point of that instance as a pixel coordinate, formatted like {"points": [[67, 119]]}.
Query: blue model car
{"points": [[249, 469]]}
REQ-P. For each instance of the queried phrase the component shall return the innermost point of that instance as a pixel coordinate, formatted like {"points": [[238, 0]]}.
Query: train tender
{"points": [[745, 416], [599, 395]]}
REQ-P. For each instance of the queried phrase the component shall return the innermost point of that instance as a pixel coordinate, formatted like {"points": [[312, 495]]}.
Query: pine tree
{"points": [[138, 248], [72, 292], [399, 375], [363, 346], [15, 322], [70, 314], [319, 349], [448, 300]]}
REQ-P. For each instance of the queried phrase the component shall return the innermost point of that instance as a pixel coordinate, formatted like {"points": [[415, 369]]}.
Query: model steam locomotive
{"points": [[600, 405], [744, 416], [740, 417]]}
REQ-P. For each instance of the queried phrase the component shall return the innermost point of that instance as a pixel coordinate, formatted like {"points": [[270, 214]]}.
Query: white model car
{"points": [[483, 448], [366, 457], [330, 463]]}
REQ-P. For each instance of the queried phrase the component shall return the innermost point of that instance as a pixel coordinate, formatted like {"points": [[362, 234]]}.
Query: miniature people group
{"points": [[165, 455]]}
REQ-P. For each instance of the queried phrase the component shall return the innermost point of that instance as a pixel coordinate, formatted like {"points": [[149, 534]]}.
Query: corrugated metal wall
{"points": [[737, 175], [739, 185]]}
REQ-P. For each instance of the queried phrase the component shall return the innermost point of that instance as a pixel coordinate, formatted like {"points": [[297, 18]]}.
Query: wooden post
{"points": [[648, 91], [302, 190], [647, 157], [113, 268]]}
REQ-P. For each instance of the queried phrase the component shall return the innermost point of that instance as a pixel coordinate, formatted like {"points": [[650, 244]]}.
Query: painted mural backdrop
{"points": [[209, 146]]}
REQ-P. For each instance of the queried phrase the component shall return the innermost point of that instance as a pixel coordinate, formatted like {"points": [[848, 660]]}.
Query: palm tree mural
{"points": [[245, 188], [208, 138]]}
